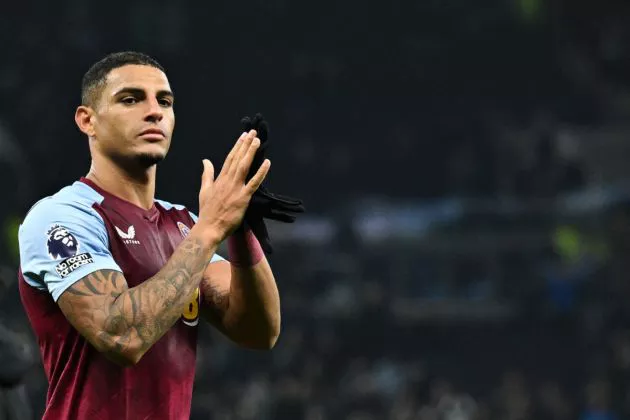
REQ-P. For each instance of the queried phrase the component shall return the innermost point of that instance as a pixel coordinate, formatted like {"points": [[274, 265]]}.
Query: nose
{"points": [[155, 112]]}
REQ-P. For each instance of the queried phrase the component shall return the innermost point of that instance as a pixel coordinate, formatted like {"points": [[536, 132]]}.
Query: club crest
{"points": [[183, 229]]}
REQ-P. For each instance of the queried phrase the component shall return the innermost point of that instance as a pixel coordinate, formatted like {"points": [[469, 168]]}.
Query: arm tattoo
{"points": [[112, 316], [216, 301]]}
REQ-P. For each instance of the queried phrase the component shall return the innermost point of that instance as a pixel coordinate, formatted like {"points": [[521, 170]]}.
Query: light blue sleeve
{"points": [[215, 257], [62, 242]]}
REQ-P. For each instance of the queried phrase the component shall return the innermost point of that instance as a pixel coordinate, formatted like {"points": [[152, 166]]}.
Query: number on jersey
{"points": [[190, 316]]}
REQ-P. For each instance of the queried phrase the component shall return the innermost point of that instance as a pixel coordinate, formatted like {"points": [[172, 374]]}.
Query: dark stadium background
{"points": [[464, 163]]}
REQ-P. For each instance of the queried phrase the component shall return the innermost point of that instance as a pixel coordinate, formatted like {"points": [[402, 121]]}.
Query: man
{"points": [[114, 281]]}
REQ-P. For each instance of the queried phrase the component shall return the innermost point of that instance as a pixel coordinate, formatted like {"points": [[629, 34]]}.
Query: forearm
{"points": [[241, 298], [253, 315], [138, 317]]}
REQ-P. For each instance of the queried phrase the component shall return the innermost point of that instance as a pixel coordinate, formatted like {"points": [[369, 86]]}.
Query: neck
{"points": [[136, 187]]}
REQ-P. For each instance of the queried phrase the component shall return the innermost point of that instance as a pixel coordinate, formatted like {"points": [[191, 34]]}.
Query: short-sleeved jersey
{"points": [[79, 230]]}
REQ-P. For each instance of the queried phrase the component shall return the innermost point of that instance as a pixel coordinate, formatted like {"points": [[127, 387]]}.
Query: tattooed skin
{"points": [[246, 308], [215, 304], [127, 322]]}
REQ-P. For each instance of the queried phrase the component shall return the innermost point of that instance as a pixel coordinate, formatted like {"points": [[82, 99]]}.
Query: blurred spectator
{"points": [[513, 399], [598, 403], [16, 359], [554, 403]]}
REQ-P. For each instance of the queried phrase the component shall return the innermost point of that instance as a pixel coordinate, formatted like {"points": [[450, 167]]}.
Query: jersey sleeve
{"points": [[61, 243], [215, 257]]}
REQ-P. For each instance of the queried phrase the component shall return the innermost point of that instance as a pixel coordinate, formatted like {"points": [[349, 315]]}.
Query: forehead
{"points": [[137, 76]]}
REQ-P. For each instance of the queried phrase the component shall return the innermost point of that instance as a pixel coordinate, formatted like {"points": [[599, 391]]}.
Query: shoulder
{"points": [[71, 206], [70, 200], [63, 238]]}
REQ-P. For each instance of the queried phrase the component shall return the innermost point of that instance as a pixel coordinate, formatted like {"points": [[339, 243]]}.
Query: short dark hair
{"points": [[94, 79]]}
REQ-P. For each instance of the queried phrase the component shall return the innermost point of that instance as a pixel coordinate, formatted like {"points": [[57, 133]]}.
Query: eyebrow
{"points": [[141, 92]]}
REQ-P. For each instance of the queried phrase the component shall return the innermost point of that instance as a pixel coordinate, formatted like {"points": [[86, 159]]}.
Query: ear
{"points": [[84, 117]]}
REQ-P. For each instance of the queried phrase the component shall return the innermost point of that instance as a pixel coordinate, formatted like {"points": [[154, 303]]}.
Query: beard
{"points": [[146, 160], [138, 163]]}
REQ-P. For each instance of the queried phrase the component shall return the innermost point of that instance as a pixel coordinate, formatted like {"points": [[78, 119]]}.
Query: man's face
{"points": [[133, 117]]}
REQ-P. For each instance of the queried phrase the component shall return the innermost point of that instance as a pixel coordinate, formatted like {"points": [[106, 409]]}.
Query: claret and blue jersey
{"points": [[65, 237]]}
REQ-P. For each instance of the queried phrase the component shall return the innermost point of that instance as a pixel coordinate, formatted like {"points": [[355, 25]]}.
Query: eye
{"points": [[129, 100], [165, 102]]}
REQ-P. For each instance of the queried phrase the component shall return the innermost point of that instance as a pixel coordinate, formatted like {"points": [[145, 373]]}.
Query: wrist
{"points": [[244, 250], [209, 235]]}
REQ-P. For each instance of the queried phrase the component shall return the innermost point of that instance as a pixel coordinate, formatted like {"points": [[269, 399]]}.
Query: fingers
{"points": [[247, 158], [233, 155], [240, 158], [207, 177], [259, 176]]}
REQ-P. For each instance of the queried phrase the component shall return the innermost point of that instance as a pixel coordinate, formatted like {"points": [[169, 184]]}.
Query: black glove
{"points": [[265, 204], [259, 124]]}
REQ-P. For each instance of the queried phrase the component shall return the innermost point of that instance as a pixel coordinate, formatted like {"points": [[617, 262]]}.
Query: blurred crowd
{"points": [[514, 310], [440, 89], [349, 351]]}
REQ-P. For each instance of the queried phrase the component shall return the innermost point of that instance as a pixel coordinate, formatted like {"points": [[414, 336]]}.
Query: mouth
{"points": [[153, 133]]}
